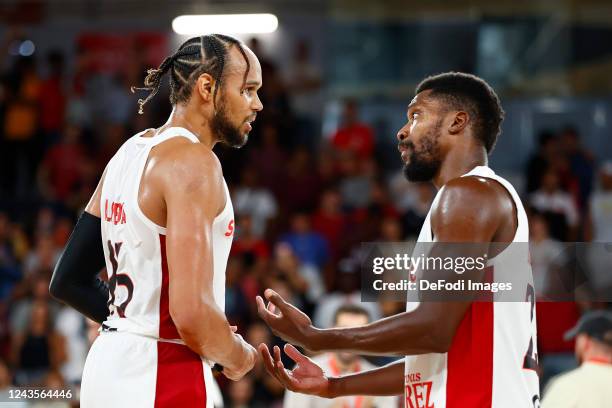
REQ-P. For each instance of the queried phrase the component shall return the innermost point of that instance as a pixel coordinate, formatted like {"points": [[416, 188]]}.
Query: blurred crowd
{"points": [[303, 203]]}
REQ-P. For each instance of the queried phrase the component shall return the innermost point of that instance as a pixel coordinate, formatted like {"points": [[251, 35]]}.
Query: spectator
{"points": [[546, 253], [599, 224], [309, 246], [53, 99], [580, 162], [541, 160], [265, 387], [553, 317], [557, 206], [71, 326], [589, 385], [38, 349], [302, 185], [341, 363], [329, 220], [304, 80], [37, 287], [61, 169], [356, 184], [347, 281], [10, 272], [241, 393], [255, 201], [303, 278], [353, 135], [416, 211], [43, 258], [264, 159], [20, 127]]}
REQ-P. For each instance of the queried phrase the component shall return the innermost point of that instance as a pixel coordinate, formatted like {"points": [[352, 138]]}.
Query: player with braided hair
{"points": [[161, 221]]}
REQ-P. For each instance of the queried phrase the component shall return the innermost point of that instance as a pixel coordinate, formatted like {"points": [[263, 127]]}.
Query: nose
{"points": [[402, 134], [257, 105]]}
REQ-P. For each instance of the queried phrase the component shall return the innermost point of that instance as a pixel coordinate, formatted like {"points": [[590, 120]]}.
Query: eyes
{"points": [[249, 91], [412, 116]]}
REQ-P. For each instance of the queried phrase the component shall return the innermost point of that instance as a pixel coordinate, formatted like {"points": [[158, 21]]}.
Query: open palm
{"points": [[306, 377]]}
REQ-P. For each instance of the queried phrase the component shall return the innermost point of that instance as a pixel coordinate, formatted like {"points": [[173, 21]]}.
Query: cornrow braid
{"points": [[198, 55], [152, 82]]}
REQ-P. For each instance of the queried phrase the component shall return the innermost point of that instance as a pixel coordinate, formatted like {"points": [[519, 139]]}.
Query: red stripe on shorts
{"points": [[167, 329], [469, 380], [180, 377]]}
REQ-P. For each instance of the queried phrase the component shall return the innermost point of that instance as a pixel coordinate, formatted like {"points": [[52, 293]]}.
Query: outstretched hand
{"points": [[306, 377], [286, 320]]}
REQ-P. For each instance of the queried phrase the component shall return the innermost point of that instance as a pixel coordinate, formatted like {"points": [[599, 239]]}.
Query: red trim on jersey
{"points": [[180, 377], [167, 329], [470, 360]]}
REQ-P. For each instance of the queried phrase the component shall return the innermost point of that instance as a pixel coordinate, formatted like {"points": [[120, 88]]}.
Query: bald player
{"points": [[161, 221], [461, 353]]}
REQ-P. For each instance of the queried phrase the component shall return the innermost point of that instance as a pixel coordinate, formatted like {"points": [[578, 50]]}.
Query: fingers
{"points": [[264, 312], [283, 375], [294, 353], [276, 299], [274, 366], [267, 358]]}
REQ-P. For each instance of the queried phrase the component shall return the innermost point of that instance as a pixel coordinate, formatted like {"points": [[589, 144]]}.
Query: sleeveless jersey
{"points": [[493, 354], [135, 247]]}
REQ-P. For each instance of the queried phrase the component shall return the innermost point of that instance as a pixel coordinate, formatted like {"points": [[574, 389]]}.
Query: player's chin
{"points": [[241, 142]]}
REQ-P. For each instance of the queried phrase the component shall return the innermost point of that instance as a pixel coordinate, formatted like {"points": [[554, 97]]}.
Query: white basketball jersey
{"points": [[493, 355], [135, 247]]}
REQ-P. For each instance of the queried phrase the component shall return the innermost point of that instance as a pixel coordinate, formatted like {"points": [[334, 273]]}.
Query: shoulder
{"points": [[471, 202], [189, 165], [475, 187], [472, 194]]}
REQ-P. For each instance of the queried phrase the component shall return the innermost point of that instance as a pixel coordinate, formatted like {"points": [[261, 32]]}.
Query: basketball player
{"points": [[162, 222], [458, 354]]}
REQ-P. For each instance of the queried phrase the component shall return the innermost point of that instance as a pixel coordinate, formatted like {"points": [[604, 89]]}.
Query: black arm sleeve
{"points": [[74, 279]]}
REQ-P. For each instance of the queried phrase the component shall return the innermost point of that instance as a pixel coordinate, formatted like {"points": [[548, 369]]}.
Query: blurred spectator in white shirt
{"points": [[587, 386], [599, 225], [557, 206], [336, 364]]}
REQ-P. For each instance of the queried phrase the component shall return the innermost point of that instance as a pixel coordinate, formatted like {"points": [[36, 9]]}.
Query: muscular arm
{"points": [[431, 327], [74, 279], [194, 195]]}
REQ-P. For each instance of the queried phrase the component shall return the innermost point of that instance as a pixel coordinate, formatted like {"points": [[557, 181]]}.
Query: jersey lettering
{"points": [[418, 395], [114, 213]]}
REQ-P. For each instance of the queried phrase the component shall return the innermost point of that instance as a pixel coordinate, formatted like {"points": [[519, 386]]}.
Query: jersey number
{"points": [[118, 279], [531, 359]]}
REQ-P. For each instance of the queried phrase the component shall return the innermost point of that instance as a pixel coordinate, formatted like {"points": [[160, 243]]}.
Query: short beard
{"points": [[225, 131], [425, 163]]}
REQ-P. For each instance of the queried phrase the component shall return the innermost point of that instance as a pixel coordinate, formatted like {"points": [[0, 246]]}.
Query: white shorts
{"points": [[128, 370]]}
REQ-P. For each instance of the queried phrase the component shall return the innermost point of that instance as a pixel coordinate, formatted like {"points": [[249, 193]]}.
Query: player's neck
{"points": [[458, 162], [184, 116]]}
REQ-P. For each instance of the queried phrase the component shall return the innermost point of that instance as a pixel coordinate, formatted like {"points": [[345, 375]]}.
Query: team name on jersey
{"points": [[114, 212]]}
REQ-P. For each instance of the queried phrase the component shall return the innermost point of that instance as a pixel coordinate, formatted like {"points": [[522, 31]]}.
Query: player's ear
{"points": [[459, 122], [205, 86]]}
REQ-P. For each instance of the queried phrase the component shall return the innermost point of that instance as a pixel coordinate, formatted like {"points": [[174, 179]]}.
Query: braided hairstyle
{"points": [[196, 56]]}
